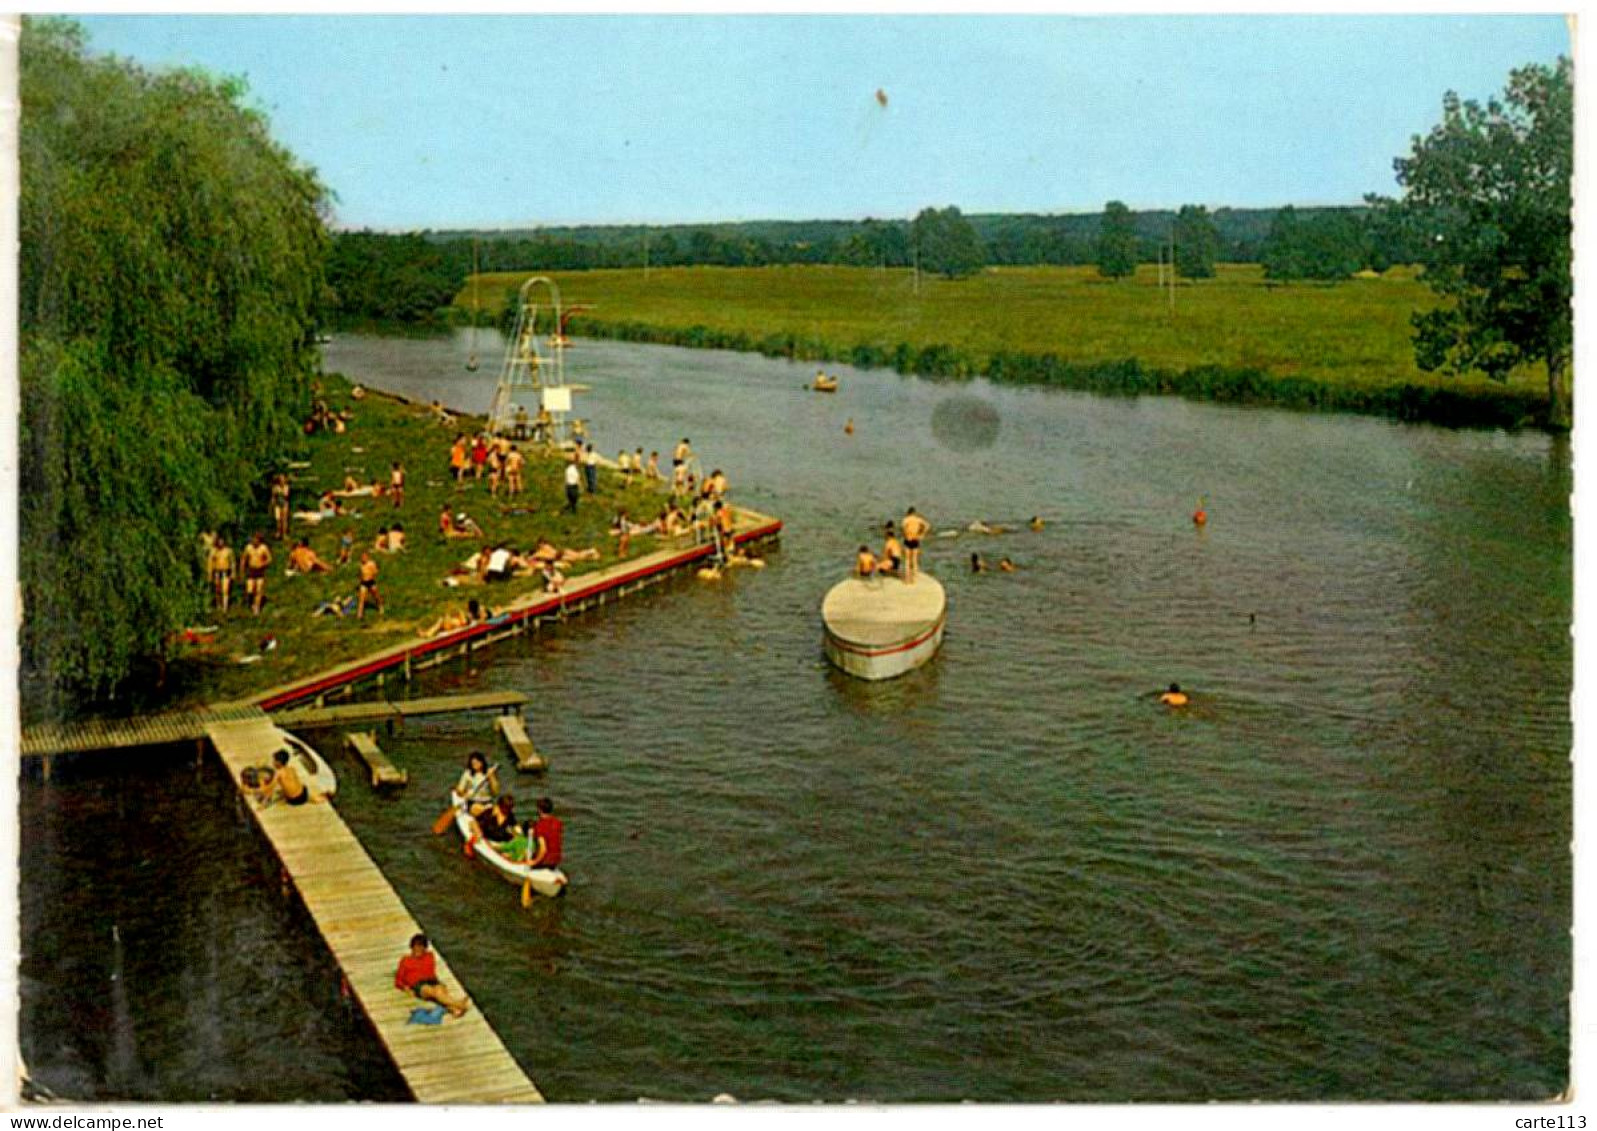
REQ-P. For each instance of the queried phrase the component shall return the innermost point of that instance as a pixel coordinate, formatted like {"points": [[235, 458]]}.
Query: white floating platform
{"points": [[882, 627]]}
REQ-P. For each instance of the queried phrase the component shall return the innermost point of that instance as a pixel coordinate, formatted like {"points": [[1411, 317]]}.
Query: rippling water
{"points": [[1343, 873]]}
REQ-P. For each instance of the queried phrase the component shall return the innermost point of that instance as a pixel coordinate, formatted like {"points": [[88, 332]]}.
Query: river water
{"points": [[1344, 873]]}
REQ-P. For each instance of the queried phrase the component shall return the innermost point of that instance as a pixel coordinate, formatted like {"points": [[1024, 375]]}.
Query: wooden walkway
{"points": [[368, 928], [120, 734], [398, 710]]}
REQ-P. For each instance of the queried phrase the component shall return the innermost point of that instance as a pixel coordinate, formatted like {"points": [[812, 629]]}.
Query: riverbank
{"points": [[237, 655], [1236, 338]]}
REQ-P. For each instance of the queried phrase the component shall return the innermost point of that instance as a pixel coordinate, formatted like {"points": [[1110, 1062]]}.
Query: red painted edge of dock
{"points": [[320, 684]]}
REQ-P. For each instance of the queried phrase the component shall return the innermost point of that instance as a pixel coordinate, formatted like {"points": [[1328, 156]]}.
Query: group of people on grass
{"points": [[496, 457]]}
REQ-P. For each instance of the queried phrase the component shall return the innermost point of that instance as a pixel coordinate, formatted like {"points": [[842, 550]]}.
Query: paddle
{"points": [[448, 815], [526, 883]]}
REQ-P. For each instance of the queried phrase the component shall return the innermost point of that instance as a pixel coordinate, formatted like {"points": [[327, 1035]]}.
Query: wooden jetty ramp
{"points": [[367, 927]]}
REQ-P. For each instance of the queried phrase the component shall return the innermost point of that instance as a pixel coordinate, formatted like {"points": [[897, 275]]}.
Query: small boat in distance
{"points": [[824, 384], [881, 627]]}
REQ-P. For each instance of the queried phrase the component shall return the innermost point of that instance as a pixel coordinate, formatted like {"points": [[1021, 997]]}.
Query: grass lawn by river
{"points": [[1353, 334], [385, 430]]}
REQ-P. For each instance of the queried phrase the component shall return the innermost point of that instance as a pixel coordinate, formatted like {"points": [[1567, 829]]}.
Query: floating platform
{"points": [[882, 627]]}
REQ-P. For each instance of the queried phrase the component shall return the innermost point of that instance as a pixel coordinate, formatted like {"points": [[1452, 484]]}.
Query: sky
{"points": [[419, 121]]}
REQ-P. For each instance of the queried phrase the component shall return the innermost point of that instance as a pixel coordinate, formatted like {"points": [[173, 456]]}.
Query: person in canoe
{"points": [[544, 837], [478, 784], [497, 823], [417, 975]]}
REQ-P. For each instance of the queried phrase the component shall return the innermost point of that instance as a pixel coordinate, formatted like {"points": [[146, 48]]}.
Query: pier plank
{"points": [[514, 731]]}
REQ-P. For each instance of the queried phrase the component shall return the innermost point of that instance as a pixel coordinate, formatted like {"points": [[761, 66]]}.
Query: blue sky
{"points": [[485, 121]]}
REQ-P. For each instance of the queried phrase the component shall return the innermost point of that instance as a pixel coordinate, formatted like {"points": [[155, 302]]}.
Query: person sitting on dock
{"points": [[1175, 697], [417, 975], [544, 837], [892, 552], [553, 580], [673, 522], [303, 559], [284, 782]]}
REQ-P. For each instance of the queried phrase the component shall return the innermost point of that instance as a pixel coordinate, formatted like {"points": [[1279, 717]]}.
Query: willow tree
{"points": [[169, 267], [1488, 190]]}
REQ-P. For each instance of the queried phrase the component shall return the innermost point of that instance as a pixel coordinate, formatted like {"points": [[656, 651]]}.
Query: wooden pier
{"points": [[395, 711], [123, 734], [367, 927]]}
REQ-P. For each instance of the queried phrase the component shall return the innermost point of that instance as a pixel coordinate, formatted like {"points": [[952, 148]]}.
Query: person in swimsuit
{"points": [[285, 782], [514, 461], [458, 458], [256, 558], [280, 504], [220, 565], [1175, 697], [417, 975], [915, 528], [892, 552], [865, 563], [396, 484], [368, 585], [303, 559]]}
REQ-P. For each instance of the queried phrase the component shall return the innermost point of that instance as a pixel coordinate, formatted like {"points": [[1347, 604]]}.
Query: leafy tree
{"points": [[1489, 188], [1197, 242], [1117, 242], [1326, 246], [947, 244], [169, 275]]}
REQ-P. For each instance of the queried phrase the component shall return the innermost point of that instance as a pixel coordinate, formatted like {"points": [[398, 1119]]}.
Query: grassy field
{"points": [[1343, 345], [385, 430]]}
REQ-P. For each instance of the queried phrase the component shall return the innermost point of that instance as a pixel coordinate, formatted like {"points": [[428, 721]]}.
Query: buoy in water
{"points": [[848, 428]]}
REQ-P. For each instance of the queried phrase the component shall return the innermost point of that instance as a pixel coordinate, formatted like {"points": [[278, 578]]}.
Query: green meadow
{"points": [[1236, 337]]}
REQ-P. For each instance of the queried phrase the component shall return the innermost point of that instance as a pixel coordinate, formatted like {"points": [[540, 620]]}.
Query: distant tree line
{"points": [[169, 272], [412, 277]]}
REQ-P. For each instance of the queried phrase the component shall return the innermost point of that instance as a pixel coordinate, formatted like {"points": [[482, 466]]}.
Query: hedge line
{"points": [[1455, 408]]}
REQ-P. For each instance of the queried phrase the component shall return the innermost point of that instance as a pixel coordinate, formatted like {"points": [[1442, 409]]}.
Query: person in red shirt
{"points": [[547, 833], [418, 975]]}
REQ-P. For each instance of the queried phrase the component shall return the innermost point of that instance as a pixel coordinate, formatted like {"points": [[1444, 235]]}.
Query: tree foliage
{"points": [[1488, 190], [1326, 246], [1117, 242], [947, 244], [169, 267], [1197, 242]]}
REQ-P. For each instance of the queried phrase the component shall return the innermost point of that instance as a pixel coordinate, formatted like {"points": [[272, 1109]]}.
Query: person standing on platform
{"points": [[915, 528]]}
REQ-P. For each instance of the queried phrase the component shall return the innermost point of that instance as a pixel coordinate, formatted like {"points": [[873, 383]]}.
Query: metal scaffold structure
{"points": [[533, 374]]}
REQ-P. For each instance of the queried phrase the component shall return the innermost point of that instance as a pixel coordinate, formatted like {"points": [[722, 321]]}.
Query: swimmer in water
{"points": [[1200, 516], [976, 564], [1006, 565], [1036, 522], [1174, 697]]}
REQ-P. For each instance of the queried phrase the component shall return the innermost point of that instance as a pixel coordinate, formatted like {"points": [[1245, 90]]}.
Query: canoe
{"points": [[881, 627], [505, 859], [825, 385]]}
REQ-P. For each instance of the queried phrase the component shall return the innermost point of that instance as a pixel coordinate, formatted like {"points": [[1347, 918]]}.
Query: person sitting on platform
{"points": [[865, 563], [417, 975], [284, 782]]}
